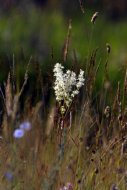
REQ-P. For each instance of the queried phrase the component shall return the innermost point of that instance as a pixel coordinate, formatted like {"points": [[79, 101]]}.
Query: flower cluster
{"points": [[68, 186], [67, 84], [23, 127]]}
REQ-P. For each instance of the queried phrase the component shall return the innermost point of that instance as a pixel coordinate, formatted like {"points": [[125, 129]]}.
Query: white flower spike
{"points": [[67, 85]]}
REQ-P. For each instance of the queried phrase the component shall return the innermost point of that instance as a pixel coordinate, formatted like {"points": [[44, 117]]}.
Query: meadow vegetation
{"points": [[76, 137]]}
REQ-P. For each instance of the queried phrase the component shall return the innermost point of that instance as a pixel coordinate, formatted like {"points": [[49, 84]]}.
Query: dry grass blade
{"points": [[65, 51], [17, 96], [13, 73], [119, 97], [75, 60], [25, 77], [125, 82], [124, 101], [81, 6], [3, 97], [8, 96]]}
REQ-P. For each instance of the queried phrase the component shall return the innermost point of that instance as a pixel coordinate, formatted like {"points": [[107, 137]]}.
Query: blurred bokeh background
{"points": [[39, 28]]}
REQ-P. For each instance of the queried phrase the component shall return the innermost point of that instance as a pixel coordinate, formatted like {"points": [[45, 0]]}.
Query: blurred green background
{"points": [[39, 28]]}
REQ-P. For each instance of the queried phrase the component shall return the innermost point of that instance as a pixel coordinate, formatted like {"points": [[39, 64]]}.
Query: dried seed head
{"points": [[94, 17], [107, 111], [108, 47]]}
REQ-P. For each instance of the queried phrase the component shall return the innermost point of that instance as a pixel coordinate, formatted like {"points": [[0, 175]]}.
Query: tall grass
{"points": [[88, 152]]}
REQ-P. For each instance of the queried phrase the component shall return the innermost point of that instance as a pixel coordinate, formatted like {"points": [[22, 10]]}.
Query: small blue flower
{"points": [[26, 126], [9, 176], [18, 133]]}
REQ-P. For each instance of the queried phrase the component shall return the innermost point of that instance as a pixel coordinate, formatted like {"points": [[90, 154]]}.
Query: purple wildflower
{"points": [[18, 133], [69, 186], [9, 176], [26, 126]]}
